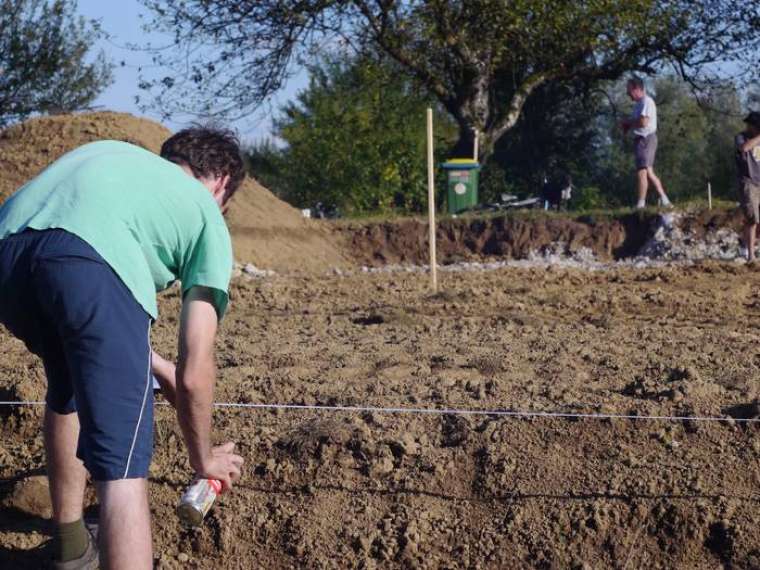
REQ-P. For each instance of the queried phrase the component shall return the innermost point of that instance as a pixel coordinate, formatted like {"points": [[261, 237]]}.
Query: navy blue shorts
{"points": [[70, 308]]}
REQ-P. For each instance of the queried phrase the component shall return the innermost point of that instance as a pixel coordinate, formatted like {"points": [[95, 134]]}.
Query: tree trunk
{"points": [[465, 145], [471, 115]]}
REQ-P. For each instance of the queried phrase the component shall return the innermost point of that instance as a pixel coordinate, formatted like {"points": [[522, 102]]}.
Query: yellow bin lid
{"points": [[460, 163]]}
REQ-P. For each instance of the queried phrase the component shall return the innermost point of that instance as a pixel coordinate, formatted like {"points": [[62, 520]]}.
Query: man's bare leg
{"points": [[643, 186], [67, 478], [125, 542], [750, 237], [66, 473], [657, 185]]}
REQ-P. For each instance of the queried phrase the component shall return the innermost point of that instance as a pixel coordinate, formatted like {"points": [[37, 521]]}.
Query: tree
{"points": [[557, 134], [354, 138], [43, 67], [482, 59], [724, 122]]}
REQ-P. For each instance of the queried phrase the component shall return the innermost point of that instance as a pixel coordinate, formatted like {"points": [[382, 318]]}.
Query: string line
{"points": [[452, 411]]}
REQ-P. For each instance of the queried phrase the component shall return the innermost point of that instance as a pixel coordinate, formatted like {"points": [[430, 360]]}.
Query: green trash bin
{"points": [[462, 184]]}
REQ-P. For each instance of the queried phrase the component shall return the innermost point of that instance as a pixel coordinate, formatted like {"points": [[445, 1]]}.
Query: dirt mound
{"points": [[27, 148], [30, 495], [273, 235], [265, 230]]}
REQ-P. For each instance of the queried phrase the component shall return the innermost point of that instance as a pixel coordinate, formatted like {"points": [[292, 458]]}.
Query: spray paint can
{"points": [[197, 501]]}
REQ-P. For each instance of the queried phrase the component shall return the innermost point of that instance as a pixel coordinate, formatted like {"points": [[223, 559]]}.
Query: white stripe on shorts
{"points": [[148, 384]]}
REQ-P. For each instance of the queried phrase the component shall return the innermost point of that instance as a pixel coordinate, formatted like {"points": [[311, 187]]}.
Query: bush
{"points": [[587, 198], [355, 138]]}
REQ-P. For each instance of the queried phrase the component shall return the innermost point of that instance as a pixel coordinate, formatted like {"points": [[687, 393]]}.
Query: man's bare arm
{"points": [[195, 389], [196, 373], [640, 123]]}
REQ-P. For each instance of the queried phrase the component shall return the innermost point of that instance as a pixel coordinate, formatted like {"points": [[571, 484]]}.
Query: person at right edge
{"points": [[84, 247], [643, 121], [747, 145]]}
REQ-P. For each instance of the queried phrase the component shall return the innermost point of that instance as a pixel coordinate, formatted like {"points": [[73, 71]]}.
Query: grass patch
{"points": [[582, 216]]}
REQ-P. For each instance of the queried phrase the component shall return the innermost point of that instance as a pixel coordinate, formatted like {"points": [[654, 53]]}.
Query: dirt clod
{"points": [[31, 496]]}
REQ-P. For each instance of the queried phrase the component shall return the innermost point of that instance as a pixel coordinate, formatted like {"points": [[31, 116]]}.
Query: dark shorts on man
{"points": [[645, 149], [61, 298], [749, 197]]}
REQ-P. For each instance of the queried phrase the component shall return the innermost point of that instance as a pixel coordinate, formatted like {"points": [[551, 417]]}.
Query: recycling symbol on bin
{"points": [[460, 188]]}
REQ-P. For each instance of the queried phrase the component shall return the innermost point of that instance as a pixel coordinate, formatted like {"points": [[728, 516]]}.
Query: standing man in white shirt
{"points": [[643, 122]]}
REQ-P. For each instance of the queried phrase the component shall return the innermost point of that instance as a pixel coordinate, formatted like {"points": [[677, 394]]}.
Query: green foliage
{"points": [[483, 60], [723, 123], [558, 133], [682, 140], [355, 138], [265, 161], [43, 52], [493, 182], [587, 198]]}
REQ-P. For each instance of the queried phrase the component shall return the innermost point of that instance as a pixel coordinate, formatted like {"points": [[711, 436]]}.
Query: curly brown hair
{"points": [[208, 152]]}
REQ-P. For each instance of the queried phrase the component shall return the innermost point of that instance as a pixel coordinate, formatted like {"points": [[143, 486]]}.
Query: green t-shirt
{"points": [[150, 221]]}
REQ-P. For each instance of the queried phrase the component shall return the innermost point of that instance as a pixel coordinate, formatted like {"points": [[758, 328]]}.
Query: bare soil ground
{"points": [[381, 490]]}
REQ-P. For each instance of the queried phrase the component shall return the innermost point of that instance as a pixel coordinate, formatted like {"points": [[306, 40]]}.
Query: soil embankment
{"points": [[516, 236]]}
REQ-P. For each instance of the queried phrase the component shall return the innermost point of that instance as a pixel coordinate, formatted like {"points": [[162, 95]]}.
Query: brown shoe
{"points": [[88, 560]]}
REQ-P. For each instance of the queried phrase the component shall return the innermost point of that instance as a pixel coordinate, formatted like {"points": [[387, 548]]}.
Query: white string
{"points": [[455, 412]]}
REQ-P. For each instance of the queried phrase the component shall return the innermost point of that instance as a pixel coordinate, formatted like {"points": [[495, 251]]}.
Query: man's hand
{"points": [[222, 464]]}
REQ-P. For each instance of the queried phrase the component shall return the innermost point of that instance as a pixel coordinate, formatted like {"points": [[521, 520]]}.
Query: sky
{"points": [[120, 19]]}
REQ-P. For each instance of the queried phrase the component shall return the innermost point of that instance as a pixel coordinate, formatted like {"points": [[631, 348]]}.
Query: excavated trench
{"points": [[609, 237]]}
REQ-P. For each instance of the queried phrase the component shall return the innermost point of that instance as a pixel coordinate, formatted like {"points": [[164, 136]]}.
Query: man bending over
{"points": [[84, 247]]}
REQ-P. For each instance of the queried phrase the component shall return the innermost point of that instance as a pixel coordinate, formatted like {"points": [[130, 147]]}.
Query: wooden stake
{"points": [[431, 201], [475, 148], [709, 195]]}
